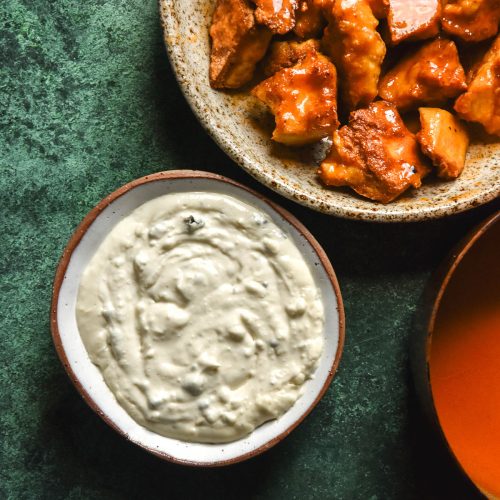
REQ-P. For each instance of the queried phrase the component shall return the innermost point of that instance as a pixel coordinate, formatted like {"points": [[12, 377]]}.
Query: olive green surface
{"points": [[88, 102]]}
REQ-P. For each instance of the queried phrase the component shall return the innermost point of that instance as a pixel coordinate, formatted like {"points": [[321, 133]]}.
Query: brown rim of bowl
{"points": [[189, 174], [431, 303]]}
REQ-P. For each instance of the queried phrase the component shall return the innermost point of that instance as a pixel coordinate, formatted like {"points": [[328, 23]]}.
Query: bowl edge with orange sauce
{"points": [[426, 321]]}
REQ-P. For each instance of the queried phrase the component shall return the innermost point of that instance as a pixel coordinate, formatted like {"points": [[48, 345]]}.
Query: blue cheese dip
{"points": [[202, 316]]}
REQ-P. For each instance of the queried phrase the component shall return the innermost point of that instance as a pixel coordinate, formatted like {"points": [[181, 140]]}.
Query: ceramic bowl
{"points": [[242, 129], [86, 376], [427, 317]]}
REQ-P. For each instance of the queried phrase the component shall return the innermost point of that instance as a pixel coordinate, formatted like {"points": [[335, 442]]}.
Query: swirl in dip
{"points": [[202, 316]]}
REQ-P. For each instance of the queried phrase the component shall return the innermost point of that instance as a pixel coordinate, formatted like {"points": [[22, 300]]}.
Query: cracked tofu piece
{"points": [[352, 41], [285, 54], [410, 20], [303, 99], [375, 154], [432, 74], [445, 140], [471, 20], [481, 102], [309, 19], [279, 16], [380, 8], [238, 44]]}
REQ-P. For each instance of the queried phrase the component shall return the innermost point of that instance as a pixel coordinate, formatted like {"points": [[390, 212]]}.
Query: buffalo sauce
{"points": [[465, 363]]}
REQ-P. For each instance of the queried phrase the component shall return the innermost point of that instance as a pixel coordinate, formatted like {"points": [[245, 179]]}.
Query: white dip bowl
{"points": [[87, 377]]}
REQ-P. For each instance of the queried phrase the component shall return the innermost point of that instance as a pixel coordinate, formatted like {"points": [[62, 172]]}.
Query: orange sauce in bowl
{"points": [[465, 363]]}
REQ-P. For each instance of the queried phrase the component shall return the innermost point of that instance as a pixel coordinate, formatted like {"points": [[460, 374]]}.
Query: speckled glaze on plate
{"points": [[242, 129]]}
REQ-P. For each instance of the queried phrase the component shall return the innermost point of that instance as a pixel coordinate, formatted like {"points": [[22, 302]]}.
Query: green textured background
{"points": [[88, 102]]}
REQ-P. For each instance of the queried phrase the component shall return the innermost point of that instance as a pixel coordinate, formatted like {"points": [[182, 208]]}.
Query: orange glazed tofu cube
{"points": [[303, 99], [309, 20], [444, 139], [471, 20], [278, 16], [413, 19], [432, 74], [285, 54], [481, 103], [375, 154], [238, 44], [352, 41]]}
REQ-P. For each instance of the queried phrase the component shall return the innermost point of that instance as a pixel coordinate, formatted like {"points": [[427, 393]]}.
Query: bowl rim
{"points": [[424, 331], [73, 243], [198, 106]]}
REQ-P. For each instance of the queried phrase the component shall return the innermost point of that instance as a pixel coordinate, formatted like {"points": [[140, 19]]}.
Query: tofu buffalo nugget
{"points": [[375, 154], [481, 102], [309, 19], [413, 19], [238, 44], [278, 16], [285, 54], [445, 140], [303, 99], [471, 20], [352, 41], [432, 74]]}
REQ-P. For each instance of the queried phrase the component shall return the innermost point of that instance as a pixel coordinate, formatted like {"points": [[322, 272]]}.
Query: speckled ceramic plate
{"points": [[242, 130], [87, 377]]}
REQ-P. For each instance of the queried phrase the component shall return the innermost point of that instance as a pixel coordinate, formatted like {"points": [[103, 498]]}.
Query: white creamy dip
{"points": [[202, 316]]}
